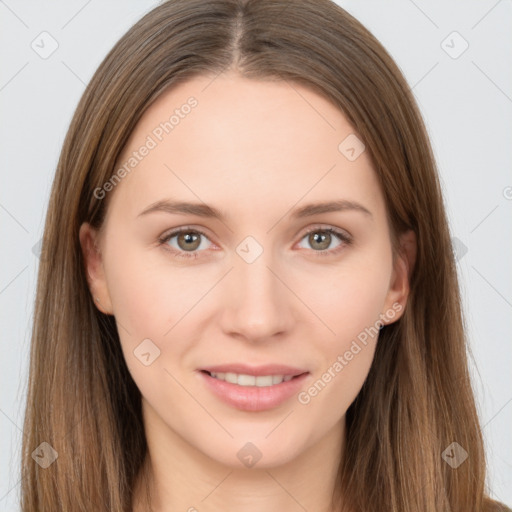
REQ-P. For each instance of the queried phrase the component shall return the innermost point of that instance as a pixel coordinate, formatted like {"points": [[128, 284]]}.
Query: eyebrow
{"points": [[204, 210]]}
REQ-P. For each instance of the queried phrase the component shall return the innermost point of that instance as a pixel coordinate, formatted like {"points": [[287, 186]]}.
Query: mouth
{"points": [[269, 389], [246, 380]]}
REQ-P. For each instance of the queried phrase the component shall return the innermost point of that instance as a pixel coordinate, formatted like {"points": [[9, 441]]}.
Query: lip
{"points": [[267, 369], [254, 398]]}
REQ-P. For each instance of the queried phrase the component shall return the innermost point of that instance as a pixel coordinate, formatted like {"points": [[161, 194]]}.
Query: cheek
{"points": [[351, 306], [148, 301], [352, 296], [156, 305], [149, 295], [351, 311]]}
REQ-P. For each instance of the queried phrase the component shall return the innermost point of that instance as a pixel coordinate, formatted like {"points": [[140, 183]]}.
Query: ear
{"points": [[89, 242], [398, 293]]}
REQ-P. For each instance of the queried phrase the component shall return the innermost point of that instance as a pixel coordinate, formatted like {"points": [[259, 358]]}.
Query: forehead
{"points": [[252, 144]]}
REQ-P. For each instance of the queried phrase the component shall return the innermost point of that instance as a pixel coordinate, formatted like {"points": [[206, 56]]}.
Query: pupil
{"points": [[189, 238], [322, 239]]}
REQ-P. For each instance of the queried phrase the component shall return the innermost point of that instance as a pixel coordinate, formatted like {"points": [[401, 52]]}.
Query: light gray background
{"points": [[467, 105]]}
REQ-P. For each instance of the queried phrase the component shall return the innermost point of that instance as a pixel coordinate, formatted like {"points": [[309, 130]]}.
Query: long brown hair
{"points": [[417, 399]]}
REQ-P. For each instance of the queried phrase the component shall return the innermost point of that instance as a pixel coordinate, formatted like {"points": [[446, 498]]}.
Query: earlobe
{"points": [[404, 264], [94, 270]]}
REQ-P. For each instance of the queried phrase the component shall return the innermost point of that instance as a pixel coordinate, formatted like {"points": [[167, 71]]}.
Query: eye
{"points": [[187, 242], [320, 239]]}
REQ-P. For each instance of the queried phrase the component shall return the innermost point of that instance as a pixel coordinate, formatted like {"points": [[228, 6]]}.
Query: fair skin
{"points": [[256, 151]]}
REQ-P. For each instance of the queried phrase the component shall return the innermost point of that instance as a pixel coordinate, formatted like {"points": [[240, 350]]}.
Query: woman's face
{"points": [[260, 283]]}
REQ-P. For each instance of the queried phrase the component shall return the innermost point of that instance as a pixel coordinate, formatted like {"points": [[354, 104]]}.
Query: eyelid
{"points": [[166, 236], [343, 233], [344, 237]]}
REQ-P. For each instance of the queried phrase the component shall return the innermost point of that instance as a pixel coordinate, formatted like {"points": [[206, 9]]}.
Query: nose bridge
{"points": [[257, 306]]}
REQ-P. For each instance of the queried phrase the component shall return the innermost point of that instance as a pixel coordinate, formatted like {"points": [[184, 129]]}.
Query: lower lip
{"points": [[254, 398]]}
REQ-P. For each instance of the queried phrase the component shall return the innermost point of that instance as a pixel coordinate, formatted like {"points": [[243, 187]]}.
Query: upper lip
{"points": [[266, 369]]}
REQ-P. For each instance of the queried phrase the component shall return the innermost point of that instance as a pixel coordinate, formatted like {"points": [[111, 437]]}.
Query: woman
{"points": [[247, 296]]}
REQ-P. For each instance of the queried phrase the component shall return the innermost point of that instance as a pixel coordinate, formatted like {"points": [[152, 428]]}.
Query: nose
{"points": [[257, 305]]}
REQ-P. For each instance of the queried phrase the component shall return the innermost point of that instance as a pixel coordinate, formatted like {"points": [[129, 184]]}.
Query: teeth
{"points": [[246, 380], [250, 380], [230, 377], [264, 380]]}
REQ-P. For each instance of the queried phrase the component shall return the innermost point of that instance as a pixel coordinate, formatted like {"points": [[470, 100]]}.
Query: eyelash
{"points": [[345, 239]]}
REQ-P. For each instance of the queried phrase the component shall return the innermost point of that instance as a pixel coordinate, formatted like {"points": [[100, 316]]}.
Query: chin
{"points": [[255, 451]]}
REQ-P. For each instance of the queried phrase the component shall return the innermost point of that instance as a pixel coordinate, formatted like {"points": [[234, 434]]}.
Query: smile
{"points": [[242, 379], [253, 392]]}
